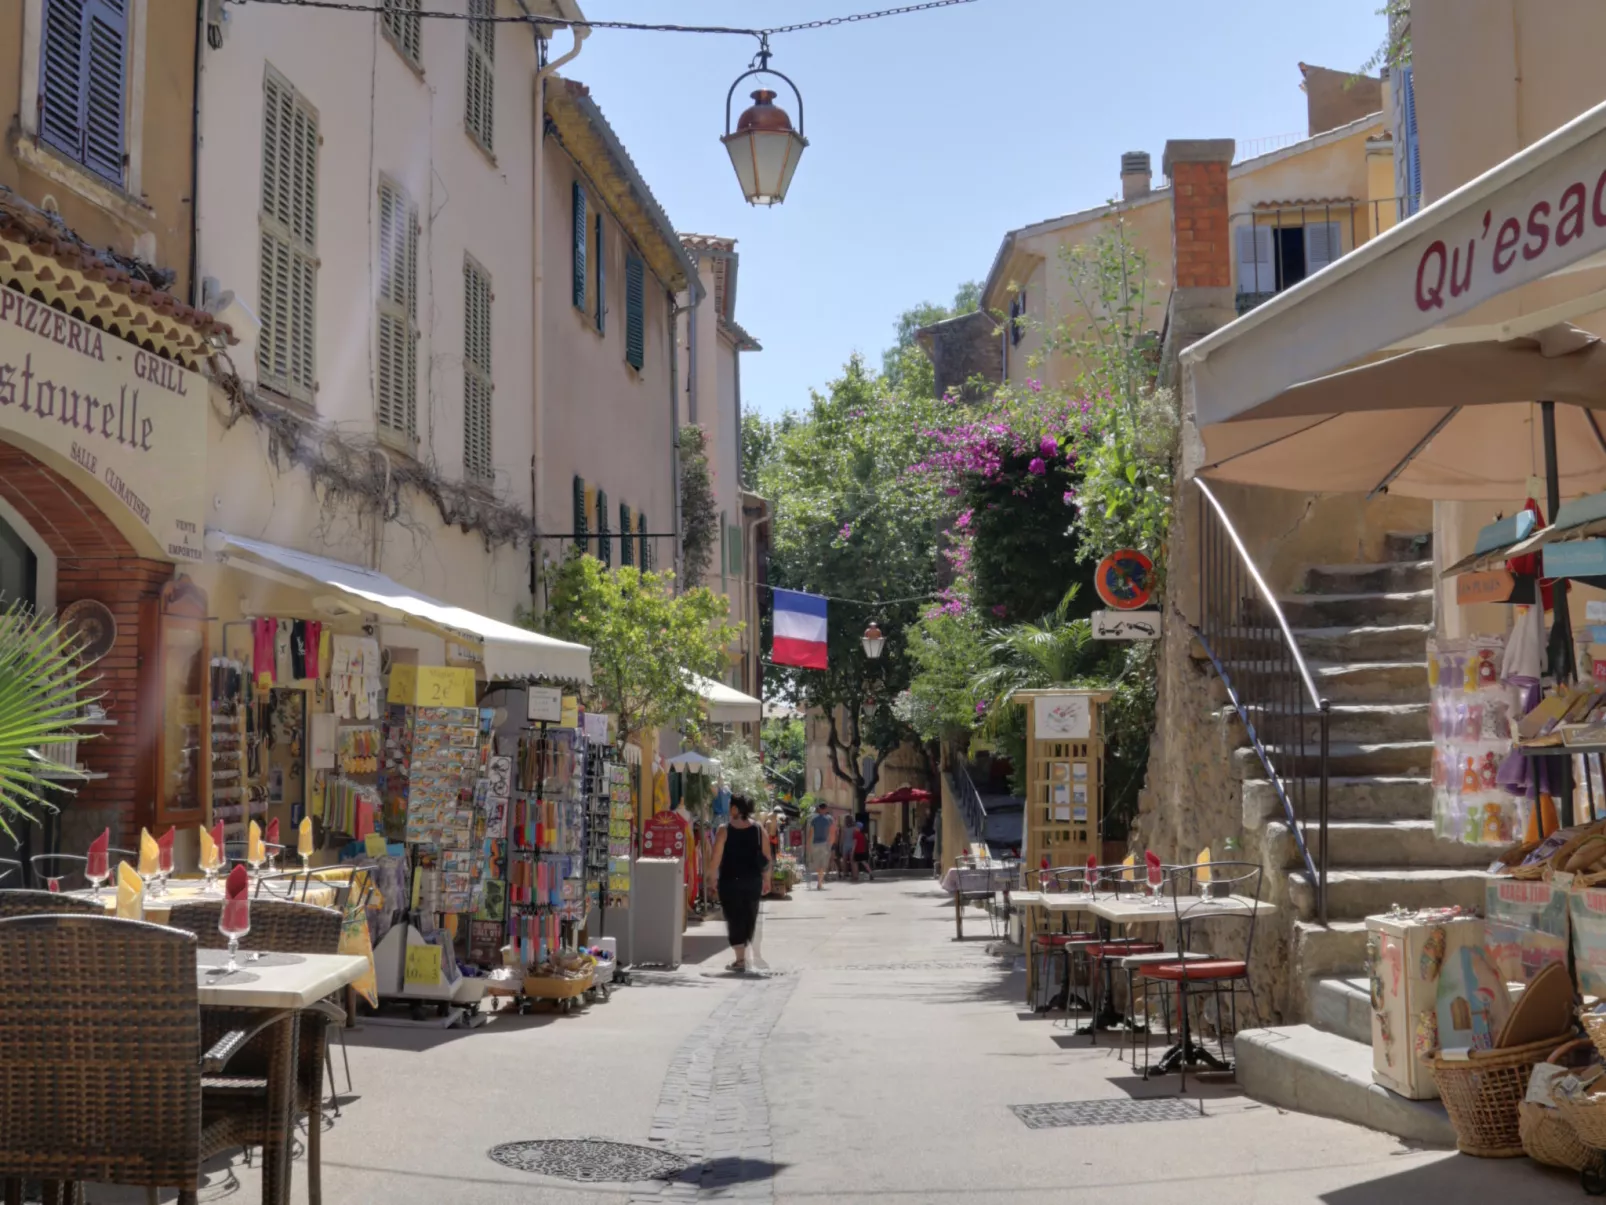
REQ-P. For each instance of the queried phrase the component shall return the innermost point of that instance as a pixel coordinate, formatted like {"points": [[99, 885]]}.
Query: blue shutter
{"points": [[578, 199], [1413, 150], [604, 544], [602, 266], [82, 80], [635, 312]]}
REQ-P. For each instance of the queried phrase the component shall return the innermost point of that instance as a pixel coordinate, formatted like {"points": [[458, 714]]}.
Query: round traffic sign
{"points": [[1124, 579]]}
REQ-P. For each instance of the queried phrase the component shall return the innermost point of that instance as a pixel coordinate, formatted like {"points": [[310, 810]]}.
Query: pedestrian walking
{"points": [[845, 848], [821, 838], [861, 853], [742, 872]]}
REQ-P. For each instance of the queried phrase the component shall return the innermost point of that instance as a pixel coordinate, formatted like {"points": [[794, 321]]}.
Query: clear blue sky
{"points": [[933, 134]]}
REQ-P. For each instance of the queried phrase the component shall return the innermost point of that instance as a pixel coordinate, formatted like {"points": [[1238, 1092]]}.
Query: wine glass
{"points": [[253, 852], [97, 869], [273, 852], [164, 867], [1154, 882], [209, 868], [1090, 881], [234, 922]]}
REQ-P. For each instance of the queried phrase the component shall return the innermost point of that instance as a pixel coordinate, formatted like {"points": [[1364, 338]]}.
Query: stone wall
{"points": [[970, 345]]}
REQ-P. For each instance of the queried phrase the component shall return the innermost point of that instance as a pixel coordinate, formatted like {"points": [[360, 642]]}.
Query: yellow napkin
{"points": [[208, 850], [149, 855], [304, 837], [1130, 874], [254, 852], [1202, 875], [130, 892]]}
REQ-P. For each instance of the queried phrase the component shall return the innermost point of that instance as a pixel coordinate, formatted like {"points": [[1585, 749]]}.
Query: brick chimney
{"points": [[1201, 254], [1137, 174]]}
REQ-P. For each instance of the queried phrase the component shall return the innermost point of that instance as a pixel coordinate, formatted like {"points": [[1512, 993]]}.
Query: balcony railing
{"points": [[1287, 249]]}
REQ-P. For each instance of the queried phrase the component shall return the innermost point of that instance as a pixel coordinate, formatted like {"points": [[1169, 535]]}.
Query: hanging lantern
{"points": [[764, 148], [874, 641]]}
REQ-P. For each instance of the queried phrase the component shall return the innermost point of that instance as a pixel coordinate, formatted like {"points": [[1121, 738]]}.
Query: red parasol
{"points": [[903, 795]]}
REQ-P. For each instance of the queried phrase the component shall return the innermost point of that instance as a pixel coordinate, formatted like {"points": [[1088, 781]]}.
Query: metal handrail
{"points": [[1274, 684], [972, 811]]}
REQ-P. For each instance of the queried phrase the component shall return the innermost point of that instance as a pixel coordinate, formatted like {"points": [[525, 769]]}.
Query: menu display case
{"points": [[176, 644]]}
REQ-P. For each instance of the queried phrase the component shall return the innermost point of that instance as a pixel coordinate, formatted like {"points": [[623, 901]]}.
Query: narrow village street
{"points": [[879, 1060]]}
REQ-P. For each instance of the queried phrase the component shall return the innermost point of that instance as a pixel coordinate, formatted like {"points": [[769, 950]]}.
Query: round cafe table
{"points": [[182, 891]]}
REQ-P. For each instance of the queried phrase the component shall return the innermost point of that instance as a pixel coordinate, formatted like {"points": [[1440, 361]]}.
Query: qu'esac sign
{"points": [[110, 411]]}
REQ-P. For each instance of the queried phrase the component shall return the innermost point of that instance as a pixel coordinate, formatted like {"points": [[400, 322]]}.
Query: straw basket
{"points": [[1547, 1136], [1595, 1026], [1482, 1094]]}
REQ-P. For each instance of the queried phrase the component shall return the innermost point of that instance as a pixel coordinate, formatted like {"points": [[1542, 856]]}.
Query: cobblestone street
{"points": [[880, 1059]]}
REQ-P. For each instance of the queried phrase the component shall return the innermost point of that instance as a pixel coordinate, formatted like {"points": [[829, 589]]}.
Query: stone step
{"points": [[1336, 948], [1342, 1005], [1329, 610], [1348, 798], [1349, 759], [1369, 578], [1356, 892], [1372, 843], [1352, 723], [1368, 642], [1301, 1067], [1372, 681], [1408, 546]]}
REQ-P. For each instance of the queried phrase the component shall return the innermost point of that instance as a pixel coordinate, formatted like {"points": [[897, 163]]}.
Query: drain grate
{"points": [[591, 1160], [1103, 1112]]}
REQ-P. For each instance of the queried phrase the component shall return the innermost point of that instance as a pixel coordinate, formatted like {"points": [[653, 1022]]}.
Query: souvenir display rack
{"points": [[546, 901]]}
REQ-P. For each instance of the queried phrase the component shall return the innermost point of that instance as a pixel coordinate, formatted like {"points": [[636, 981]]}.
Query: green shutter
{"points": [[602, 267], [578, 197], [724, 552], [646, 548], [627, 545], [635, 312], [604, 544], [580, 527], [734, 546]]}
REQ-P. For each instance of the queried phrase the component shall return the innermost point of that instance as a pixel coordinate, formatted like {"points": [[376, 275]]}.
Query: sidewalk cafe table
{"points": [[277, 983], [186, 891]]}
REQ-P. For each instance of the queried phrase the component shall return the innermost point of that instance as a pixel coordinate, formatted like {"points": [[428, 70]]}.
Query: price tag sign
{"points": [[544, 703], [423, 966], [374, 845], [431, 686], [571, 712]]}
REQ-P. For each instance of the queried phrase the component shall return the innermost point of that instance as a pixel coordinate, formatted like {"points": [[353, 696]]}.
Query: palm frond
{"points": [[40, 692]]}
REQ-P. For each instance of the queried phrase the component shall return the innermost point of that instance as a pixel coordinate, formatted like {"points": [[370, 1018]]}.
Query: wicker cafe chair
{"points": [[285, 927], [21, 902], [101, 1079]]}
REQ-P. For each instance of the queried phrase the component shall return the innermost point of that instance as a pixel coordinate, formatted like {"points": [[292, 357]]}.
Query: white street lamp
{"points": [[874, 642], [764, 148]]}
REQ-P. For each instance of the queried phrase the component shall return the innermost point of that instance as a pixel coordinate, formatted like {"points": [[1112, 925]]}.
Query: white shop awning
{"points": [[511, 653], [725, 704], [1471, 267]]}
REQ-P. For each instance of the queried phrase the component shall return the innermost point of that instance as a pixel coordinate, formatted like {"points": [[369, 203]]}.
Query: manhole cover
{"points": [[1103, 1112], [588, 1159]]}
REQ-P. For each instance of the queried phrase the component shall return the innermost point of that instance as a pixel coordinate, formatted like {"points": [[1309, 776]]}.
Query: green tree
{"points": [[40, 687], [903, 364], [645, 640], [853, 522], [743, 772], [784, 740], [699, 512]]}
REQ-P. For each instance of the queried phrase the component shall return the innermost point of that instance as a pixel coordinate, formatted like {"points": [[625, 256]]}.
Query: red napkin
{"points": [[217, 840], [270, 835], [1152, 861], [236, 916], [97, 865], [164, 850]]}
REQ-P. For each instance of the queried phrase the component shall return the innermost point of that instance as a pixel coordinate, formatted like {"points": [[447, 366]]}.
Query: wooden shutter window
{"points": [[398, 312], [577, 200], [635, 312], [602, 267], [479, 106], [477, 379], [404, 27], [604, 544], [646, 548], [83, 81], [627, 545], [580, 526], [289, 240], [735, 545]]}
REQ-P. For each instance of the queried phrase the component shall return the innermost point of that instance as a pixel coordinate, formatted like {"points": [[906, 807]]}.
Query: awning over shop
{"points": [[1509, 254], [510, 652], [725, 704]]}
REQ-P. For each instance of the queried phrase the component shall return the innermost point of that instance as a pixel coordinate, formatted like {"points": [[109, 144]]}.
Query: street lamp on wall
{"points": [[764, 148], [874, 642]]}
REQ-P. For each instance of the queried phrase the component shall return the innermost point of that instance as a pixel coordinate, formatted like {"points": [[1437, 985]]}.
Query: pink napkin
{"points": [[217, 840], [237, 902], [97, 867], [270, 835], [164, 850], [1152, 861]]}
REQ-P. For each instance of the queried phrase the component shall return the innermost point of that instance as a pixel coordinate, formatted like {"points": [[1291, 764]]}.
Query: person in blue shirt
{"points": [[821, 840]]}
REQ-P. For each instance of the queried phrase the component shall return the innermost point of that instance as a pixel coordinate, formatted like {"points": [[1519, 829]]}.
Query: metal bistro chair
{"points": [[971, 884], [281, 927], [1047, 947], [56, 872], [99, 1020], [1102, 954], [1191, 902]]}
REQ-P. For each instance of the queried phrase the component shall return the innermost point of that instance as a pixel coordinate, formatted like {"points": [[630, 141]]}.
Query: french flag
{"points": [[799, 630]]}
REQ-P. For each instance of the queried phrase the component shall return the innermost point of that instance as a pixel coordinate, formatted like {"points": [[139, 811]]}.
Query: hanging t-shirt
{"points": [[262, 658], [282, 667], [298, 649], [314, 666]]}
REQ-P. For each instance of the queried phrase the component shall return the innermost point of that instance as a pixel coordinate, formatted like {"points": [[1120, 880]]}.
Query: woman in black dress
{"points": [[742, 872]]}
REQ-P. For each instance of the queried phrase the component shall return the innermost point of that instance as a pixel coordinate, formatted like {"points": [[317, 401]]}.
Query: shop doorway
{"points": [[19, 568]]}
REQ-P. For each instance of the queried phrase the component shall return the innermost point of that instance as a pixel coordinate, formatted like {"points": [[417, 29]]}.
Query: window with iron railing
{"points": [[1277, 246]]}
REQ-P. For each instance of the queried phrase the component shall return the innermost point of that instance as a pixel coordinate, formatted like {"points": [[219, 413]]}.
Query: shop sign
{"points": [[1062, 717], [544, 704], [664, 836], [133, 422], [431, 686], [1490, 586]]}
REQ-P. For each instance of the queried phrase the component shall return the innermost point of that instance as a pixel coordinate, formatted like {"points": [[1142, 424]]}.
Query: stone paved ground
{"points": [[880, 1062]]}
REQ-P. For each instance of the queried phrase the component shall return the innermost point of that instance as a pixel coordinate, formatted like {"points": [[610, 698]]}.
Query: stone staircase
{"points": [[1363, 630]]}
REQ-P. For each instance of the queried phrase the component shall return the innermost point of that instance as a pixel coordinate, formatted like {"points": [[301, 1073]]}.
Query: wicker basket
{"points": [[1595, 1028], [1547, 1136], [1482, 1094]]}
